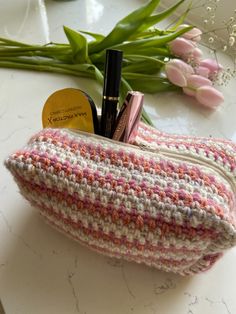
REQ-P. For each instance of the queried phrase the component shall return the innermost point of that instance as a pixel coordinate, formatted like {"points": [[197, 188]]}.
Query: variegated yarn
{"points": [[160, 210]]}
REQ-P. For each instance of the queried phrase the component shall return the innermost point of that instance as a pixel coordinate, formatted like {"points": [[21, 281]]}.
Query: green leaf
{"points": [[154, 19], [156, 41], [96, 36], [126, 27], [145, 118], [124, 88], [149, 83], [98, 75], [152, 52], [148, 33], [138, 58], [142, 64], [147, 51], [91, 69], [182, 18], [9, 42], [78, 45]]}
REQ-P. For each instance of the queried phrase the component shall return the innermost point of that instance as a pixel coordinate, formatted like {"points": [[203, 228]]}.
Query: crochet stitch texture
{"points": [[165, 211]]}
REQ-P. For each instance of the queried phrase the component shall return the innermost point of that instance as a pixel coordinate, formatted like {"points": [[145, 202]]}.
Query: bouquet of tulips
{"points": [[155, 60], [194, 74]]}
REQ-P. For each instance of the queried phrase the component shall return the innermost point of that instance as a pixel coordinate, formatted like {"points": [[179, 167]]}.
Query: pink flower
{"points": [[203, 71], [194, 56], [182, 74], [209, 96], [190, 92], [181, 47], [212, 65], [194, 82], [178, 71], [194, 34], [197, 54]]}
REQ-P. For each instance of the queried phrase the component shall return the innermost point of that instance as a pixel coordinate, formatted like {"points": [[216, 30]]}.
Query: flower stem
{"points": [[56, 68]]}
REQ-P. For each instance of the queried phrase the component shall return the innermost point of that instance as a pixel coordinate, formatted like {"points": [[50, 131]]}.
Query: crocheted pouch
{"points": [[160, 208]]}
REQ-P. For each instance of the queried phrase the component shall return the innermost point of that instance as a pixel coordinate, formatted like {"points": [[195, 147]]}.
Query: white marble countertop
{"points": [[43, 272]]}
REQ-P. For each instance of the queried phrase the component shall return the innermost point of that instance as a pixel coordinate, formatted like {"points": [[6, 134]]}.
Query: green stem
{"points": [[139, 57], [144, 76], [145, 118], [10, 42], [150, 51], [149, 33], [55, 68], [59, 56], [35, 51]]}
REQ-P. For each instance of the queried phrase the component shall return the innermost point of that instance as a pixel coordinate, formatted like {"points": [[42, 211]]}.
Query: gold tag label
{"points": [[68, 108]]}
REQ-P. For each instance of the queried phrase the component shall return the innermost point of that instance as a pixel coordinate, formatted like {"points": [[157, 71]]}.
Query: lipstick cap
{"points": [[112, 75]]}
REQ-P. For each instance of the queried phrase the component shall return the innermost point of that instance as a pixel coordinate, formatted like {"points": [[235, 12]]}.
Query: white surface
{"points": [[224, 10], [41, 271]]}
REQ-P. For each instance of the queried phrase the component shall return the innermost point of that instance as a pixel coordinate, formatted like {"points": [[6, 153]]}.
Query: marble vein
{"points": [[4, 139], [226, 306], [169, 284], [195, 300], [126, 282], [19, 237], [115, 263], [75, 295]]}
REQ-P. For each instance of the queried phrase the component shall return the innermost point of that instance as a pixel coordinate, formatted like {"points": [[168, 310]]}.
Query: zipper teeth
{"points": [[163, 152]]}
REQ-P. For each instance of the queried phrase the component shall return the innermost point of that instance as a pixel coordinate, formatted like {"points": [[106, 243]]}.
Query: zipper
{"points": [[171, 155]]}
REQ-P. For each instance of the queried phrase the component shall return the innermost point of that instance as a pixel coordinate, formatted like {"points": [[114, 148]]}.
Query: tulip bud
{"points": [[194, 34], [212, 65], [183, 66], [194, 56], [181, 47], [175, 75], [200, 70], [209, 96], [196, 81], [189, 91], [177, 72], [197, 54]]}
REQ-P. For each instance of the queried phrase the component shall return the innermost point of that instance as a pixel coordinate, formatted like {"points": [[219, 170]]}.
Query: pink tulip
{"points": [[178, 71], [194, 82], [194, 56], [197, 54], [209, 96], [181, 47], [183, 66], [182, 74], [212, 65], [194, 34], [175, 76], [189, 91], [200, 70]]}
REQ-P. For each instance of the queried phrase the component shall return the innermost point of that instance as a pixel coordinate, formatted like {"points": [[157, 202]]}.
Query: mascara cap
{"points": [[112, 73]]}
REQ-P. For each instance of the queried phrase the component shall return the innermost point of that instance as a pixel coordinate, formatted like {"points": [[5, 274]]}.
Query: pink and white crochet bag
{"points": [[166, 201]]}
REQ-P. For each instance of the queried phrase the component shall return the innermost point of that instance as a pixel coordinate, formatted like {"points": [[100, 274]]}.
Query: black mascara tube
{"points": [[111, 90]]}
